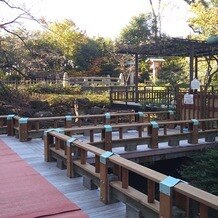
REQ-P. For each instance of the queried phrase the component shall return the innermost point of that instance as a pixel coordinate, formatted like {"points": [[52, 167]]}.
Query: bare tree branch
{"points": [[205, 3], [15, 34], [209, 76], [24, 14], [195, 30], [9, 65], [2, 25]]}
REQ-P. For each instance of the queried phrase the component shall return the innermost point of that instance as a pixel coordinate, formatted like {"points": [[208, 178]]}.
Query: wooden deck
{"points": [[88, 200]]}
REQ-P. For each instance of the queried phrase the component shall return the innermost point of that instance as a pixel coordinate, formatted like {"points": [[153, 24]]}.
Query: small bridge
{"points": [[93, 156], [110, 173], [135, 136]]}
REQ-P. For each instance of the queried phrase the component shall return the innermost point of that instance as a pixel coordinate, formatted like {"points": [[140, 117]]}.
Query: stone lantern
{"points": [[155, 65], [65, 80]]}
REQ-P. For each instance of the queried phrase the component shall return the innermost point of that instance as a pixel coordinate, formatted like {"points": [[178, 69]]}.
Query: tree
{"points": [[11, 54], [95, 56], [45, 59], [37, 58], [109, 60], [66, 36], [156, 27], [11, 27], [87, 57], [205, 20], [138, 31], [203, 2], [202, 171], [205, 24], [174, 71]]}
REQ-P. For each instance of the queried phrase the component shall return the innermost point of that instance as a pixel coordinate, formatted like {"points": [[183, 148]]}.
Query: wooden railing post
{"points": [[10, 125], [153, 132], [23, 129], [111, 95], [107, 137], [125, 178], [203, 211], [193, 127], [166, 196], [68, 121], [171, 117], [83, 156], [48, 141], [151, 191], [107, 118], [126, 96], [69, 157], [97, 164], [182, 202], [104, 183], [140, 116], [120, 132], [68, 124]]}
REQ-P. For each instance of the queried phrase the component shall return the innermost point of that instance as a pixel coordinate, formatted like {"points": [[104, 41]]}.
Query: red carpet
{"points": [[25, 193]]}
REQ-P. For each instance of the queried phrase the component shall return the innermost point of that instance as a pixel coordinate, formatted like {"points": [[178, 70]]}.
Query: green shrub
{"points": [[98, 99], [202, 171], [43, 88], [95, 99], [13, 77]]}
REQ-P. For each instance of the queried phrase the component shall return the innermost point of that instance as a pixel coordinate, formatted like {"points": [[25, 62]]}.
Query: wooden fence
{"points": [[145, 95], [172, 193], [205, 105], [27, 128], [202, 105]]}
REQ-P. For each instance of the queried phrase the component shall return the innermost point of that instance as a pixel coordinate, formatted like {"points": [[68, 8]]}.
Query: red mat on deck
{"points": [[25, 193]]}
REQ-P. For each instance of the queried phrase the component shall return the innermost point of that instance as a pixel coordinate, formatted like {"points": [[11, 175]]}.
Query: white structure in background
{"points": [[155, 65], [131, 74], [121, 79], [65, 80], [195, 84], [131, 78], [108, 80], [188, 98]]}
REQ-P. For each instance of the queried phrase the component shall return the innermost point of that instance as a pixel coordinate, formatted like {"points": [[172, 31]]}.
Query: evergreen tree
{"points": [[202, 171]]}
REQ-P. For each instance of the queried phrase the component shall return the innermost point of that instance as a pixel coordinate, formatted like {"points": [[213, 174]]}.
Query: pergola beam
{"points": [[169, 47]]}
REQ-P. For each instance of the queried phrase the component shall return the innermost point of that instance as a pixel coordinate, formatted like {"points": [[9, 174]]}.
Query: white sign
{"points": [[188, 99], [195, 84]]}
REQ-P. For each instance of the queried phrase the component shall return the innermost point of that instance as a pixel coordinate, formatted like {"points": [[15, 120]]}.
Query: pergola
{"points": [[168, 47]]}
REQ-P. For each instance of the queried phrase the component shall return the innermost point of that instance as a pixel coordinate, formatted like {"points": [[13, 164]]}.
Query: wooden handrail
{"points": [[197, 194], [33, 128], [138, 169], [204, 198]]}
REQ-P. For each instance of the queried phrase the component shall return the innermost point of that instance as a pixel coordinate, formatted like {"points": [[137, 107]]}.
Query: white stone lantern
{"points": [[65, 80], [155, 65]]}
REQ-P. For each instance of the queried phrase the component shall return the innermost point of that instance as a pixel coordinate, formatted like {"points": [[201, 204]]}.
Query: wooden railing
{"points": [[205, 105], [151, 134], [172, 192], [27, 128], [73, 154], [147, 95], [3, 124]]}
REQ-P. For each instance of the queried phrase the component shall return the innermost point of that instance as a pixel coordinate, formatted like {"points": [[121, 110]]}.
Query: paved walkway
{"points": [[88, 200]]}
